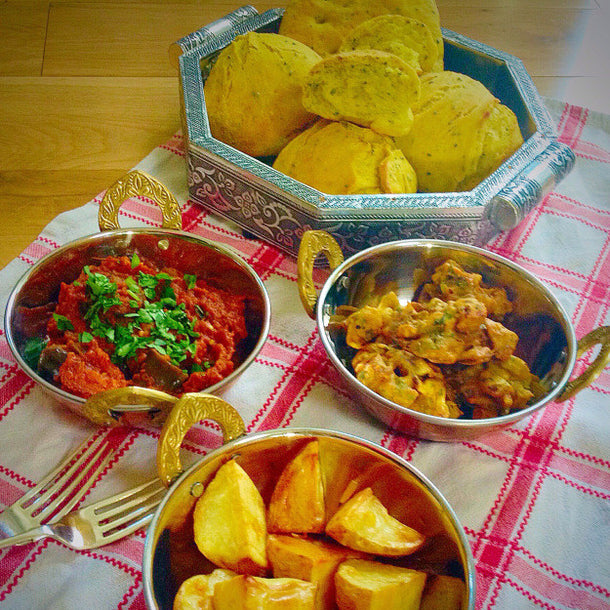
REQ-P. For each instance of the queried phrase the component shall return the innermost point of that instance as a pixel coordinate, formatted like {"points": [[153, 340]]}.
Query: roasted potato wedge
{"points": [[196, 592], [370, 585], [310, 559], [253, 593], [297, 502], [364, 524], [229, 522], [443, 593]]}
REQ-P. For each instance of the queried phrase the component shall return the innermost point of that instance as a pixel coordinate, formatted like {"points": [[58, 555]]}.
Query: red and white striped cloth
{"points": [[533, 499]]}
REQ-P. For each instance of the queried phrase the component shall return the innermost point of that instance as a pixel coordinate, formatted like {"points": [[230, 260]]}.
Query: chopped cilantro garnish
{"points": [[62, 322], [135, 260], [190, 280], [156, 320], [32, 350]]}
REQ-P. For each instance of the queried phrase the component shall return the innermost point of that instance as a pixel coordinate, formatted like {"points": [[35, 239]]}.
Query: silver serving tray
{"points": [[278, 209]]}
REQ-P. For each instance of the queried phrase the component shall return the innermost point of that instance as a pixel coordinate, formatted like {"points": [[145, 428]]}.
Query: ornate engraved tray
{"points": [[278, 209]]}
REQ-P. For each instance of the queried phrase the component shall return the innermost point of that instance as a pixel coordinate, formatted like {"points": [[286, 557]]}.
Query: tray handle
{"points": [[520, 196], [216, 28]]}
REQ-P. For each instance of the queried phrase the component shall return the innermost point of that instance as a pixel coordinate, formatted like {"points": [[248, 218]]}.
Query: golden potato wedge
{"points": [[229, 522], [297, 502], [310, 559], [196, 592], [370, 585], [254, 593], [364, 524], [443, 593]]}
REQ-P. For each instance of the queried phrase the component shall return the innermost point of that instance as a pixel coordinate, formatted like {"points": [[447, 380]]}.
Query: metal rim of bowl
{"points": [[127, 233], [433, 420], [149, 544]]}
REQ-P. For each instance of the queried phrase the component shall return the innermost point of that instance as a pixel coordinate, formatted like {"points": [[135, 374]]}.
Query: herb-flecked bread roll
{"points": [[323, 24], [340, 158], [370, 88], [406, 37], [461, 133], [253, 92]]}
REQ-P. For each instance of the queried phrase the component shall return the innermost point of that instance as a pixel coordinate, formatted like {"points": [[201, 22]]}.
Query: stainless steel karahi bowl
{"points": [[170, 554], [547, 342], [218, 264]]}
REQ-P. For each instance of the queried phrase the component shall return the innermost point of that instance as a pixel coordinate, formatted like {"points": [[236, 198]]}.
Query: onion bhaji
{"points": [[447, 351]]}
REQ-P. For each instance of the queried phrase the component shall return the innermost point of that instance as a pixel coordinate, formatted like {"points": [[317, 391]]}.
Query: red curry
{"points": [[126, 322]]}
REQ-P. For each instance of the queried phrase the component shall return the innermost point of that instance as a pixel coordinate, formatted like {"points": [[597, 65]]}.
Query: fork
{"points": [[60, 491], [100, 523]]}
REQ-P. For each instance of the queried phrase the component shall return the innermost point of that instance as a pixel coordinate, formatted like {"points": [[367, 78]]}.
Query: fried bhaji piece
{"points": [[404, 379], [450, 281], [443, 332], [496, 387]]}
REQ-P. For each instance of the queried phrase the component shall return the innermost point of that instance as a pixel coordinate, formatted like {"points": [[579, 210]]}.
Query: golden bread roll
{"points": [[406, 37], [370, 88], [323, 24], [253, 92], [369, 585], [341, 158], [461, 133]]}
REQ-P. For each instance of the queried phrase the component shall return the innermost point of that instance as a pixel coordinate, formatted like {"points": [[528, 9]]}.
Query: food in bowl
{"points": [[460, 134], [368, 87], [363, 547], [125, 321], [253, 92], [445, 353], [356, 160], [324, 25], [365, 64], [405, 37]]}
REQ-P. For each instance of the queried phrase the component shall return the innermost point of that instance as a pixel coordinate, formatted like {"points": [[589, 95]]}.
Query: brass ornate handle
{"points": [[599, 336], [137, 183], [190, 409], [312, 244], [110, 406]]}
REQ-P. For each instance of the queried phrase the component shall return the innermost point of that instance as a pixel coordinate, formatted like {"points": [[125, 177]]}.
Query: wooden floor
{"points": [[87, 89]]}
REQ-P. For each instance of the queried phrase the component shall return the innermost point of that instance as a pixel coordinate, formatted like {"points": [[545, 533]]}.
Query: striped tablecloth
{"points": [[533, 499]]}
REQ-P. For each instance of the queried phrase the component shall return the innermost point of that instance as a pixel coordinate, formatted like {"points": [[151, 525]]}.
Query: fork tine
{"points": [[131, 506], [57, 489]]}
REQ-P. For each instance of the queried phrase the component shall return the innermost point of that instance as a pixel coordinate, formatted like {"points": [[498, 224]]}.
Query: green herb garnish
{"points": [[62, 322]]}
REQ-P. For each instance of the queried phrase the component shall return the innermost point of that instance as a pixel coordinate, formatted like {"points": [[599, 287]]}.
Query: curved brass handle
{"points": [[190, 409], [312, 244], [600, 335], [137, 183], [108, 407]]}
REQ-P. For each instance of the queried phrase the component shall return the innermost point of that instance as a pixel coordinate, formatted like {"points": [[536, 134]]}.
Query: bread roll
{"points": [[323, 24], [253, 92], [406, 37], [461, 133], [340, 158], [370, 88]]}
